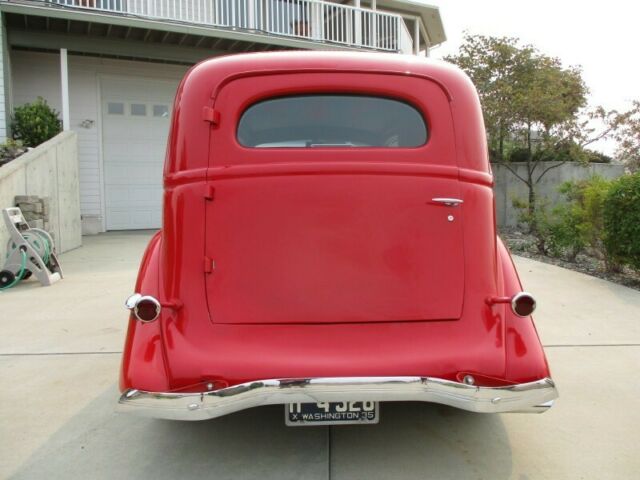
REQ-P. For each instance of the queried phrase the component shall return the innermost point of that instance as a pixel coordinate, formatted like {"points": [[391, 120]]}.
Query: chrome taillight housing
{"points": [[145, 307], [523, 304]]}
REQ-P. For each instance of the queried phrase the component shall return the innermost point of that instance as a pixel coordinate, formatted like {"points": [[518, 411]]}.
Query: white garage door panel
{"points": [[135, 125], [124, 173], [121, 219], [144, 197]]}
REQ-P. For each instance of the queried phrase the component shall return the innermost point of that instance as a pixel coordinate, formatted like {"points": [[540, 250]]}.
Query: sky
{"points": [[602, 37]]}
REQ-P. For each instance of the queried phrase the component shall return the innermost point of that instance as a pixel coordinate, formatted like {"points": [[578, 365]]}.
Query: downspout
{"points": [[416, 36], [64, 85], [6, 94]]}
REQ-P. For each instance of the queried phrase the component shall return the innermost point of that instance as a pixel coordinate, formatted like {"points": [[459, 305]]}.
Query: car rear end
{"points": [[331, 242]]}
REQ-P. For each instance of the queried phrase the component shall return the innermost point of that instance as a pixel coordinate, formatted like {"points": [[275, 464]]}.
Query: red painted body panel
{"points": [[319, 268], [352, 244], [330, 248], [143, 363]]}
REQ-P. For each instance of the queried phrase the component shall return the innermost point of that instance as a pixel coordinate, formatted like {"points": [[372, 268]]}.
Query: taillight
{"points": [[523, 304], [146, 308]]}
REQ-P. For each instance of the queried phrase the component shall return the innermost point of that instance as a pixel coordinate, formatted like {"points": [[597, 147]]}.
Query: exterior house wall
{"points": [[3, 96], [49, 170], [38, 74], [507, 187]]}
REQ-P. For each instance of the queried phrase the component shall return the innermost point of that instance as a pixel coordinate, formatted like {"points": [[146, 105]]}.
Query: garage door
{"points": [[135, 124]]}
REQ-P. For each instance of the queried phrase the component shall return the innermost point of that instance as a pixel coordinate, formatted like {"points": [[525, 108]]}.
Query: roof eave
{"points": [[429, 14]]}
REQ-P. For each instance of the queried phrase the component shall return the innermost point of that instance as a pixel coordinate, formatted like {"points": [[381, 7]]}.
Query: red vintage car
{"points": [[328, 243]]}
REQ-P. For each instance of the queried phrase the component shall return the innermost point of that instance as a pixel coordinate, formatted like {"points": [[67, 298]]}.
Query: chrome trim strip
{"points": [[451, 202], [525, 397]]}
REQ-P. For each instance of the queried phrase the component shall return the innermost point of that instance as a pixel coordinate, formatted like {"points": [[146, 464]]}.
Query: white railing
{"points": [[406, 42], [315, 20]]}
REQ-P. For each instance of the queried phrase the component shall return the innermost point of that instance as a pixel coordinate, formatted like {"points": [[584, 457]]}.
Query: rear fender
{"points": [[143, 361], [525, 358]]}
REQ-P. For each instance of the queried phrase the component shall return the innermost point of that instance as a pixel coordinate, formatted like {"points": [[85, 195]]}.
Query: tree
{"points": [[626, 127], [491, 62], [530, 103]]}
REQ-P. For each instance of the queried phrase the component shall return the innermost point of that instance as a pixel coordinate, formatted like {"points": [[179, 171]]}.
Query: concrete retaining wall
{"points": [[50, 170], [507, 186]]}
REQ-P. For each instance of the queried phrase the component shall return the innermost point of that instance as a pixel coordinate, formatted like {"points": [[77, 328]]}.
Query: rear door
{"points": [[335, 222]]}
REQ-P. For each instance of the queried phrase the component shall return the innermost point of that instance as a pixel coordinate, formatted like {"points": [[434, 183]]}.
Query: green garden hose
{"points": [[23, 267], [40, 243], [36, 242]]}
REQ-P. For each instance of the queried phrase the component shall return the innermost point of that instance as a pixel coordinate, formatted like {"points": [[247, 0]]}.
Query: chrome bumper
{"points": [[533, 397]]}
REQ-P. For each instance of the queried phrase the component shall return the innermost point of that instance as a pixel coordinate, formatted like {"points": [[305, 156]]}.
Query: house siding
{"points": [[3, 103], [38, 74]]}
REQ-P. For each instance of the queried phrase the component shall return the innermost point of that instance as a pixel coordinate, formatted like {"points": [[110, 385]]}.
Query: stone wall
{"points": [[507, 187], [36, 211], [49, 171]]}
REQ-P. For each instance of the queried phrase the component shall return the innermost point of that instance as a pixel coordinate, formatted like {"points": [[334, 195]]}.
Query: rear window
{"points": [[308, 121]]}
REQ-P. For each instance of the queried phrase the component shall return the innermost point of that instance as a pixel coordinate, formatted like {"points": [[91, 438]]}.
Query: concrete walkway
{"points": [[59, 360]]}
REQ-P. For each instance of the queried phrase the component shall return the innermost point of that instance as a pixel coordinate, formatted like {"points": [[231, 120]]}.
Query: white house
{"points": [[111, 67]]}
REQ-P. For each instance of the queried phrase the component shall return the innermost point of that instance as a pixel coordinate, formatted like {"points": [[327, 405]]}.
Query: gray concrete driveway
{"points": [[59, 360]]}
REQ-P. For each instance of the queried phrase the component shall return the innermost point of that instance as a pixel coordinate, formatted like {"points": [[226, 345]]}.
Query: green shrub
{"points": [[594, 196], [597, 157], [564, 152], [35, 123], [578, 222], [567, 231], [538, 222], [574, 224], [622, 221]]}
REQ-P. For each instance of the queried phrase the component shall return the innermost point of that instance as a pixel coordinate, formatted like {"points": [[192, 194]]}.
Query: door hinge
{"points": [[210, 115], [209, 265], [211, 193]]}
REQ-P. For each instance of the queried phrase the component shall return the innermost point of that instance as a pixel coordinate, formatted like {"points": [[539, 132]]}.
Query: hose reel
{"points": [[30, 251]]}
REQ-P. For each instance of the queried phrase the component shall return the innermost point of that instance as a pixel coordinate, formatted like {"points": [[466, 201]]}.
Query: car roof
{"points": [[449, 76], [202, 83]]}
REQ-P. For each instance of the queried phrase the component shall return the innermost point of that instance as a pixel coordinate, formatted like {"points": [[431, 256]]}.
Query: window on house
{"points": [[316, 121], [138, 109], [115, 108], [161, 111]]}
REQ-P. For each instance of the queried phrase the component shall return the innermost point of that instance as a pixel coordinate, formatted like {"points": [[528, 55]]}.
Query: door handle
{"points": [[450, 202]]}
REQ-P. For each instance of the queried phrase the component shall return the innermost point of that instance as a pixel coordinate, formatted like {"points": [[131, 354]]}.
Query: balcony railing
{"points": [[314, 20]]}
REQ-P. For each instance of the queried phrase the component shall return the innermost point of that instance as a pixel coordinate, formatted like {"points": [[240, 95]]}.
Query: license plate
{"points": [[331, 413]]}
